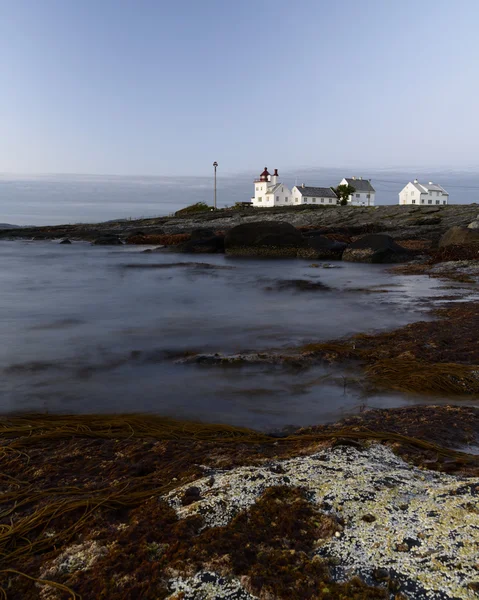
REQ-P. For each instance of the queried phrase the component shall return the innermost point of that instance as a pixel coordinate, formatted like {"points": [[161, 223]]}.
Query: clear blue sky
{"points": [[166, 87]]}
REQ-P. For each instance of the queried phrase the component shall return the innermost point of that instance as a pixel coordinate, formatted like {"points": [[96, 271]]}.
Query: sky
{"points": [[161, 88]]}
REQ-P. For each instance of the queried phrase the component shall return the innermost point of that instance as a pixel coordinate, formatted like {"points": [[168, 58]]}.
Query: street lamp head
{"points": [[215, 164]]}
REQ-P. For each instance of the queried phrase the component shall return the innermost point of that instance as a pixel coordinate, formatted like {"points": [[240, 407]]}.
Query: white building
{"points": [[364, 194], [269, 192], [421, 193], [314, 195]]}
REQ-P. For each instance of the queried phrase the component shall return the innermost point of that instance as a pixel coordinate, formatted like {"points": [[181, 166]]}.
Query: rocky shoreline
{"points": [[400, 222], [382, 505]]}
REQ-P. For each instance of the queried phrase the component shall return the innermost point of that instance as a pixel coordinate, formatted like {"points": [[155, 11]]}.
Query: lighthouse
{"points": [[268, 191]]}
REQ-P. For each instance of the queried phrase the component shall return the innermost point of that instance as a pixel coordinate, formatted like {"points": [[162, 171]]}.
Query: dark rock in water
{"points": [[264, 238], [303, 285], [321, 247], [202, 234], [66, 241], [107, 240], [209, 245], [377, 248], [459, 236]]}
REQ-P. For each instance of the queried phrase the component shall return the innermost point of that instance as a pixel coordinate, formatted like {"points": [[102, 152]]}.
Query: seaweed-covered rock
{"points": [[321, 247], [458, 236], [264, 238], [208, 245], [376, 248]]}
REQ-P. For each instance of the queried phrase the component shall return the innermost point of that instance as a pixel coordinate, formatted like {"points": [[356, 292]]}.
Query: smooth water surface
{"points": [[85, 329]]}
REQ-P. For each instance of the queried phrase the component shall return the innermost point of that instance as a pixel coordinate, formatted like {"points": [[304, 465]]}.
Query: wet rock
{"points": [[199, 245], [65, 241], [377, 248], [107, 240], [320, 247], [302, 285], [264, 238], [458, 236]]}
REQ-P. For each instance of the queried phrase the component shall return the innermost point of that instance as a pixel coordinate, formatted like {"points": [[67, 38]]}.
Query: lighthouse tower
{"points": [[269, 192]]}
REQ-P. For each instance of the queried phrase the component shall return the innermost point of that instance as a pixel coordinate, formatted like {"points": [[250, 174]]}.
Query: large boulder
{"points": [[320, 247], [376, 248], [264, 238], [208, 245], [107, 240], [459, 236]]}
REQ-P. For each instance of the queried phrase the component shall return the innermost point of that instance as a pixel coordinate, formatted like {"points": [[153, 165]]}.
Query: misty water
{"points": [[85, 329]]}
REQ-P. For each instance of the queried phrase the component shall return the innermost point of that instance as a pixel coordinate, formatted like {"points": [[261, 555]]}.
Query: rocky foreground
{"points": [[120, 507]]}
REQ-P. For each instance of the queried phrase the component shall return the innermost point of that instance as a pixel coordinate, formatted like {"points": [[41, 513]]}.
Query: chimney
{"points": [[416, 181], [360, 179], [354, 177], [274, 178], [302, 185], [431, 183]]}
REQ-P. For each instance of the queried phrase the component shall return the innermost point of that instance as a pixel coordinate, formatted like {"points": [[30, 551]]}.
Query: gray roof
{"points": [[272, 188], [360, 185], [316, 192], [425, 188]]}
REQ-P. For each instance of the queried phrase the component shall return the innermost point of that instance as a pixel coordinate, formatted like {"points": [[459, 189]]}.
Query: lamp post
{"points": [[215, 164]]}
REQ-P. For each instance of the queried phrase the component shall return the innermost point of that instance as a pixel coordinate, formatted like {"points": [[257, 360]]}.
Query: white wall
{"points": [[297, 193], [411, 195], [363, 199], [265, 199]]}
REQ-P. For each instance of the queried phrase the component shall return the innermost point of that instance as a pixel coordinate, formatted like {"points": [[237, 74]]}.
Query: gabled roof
{"points": [[430, 187], [316, 192], [360, 185], [272, 188]]}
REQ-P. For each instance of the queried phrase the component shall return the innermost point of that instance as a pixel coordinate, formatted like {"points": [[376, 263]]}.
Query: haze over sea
{"points": [[56, 199]]}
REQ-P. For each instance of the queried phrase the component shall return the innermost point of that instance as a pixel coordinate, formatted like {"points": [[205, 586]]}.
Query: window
{"points": [[429, 201], [358, 196], [282, 190], [257, 188], [322, 200], [314, 199], [330, 201], [286, 199], [368, 196], [422, 200], [438, 202], [296, 200], [260, 199], [305, 200], [444, 202], [413, 201], [437, 193], [277, 198]]}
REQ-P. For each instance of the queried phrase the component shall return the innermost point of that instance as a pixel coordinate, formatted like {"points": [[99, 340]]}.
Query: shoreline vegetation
{"points": [[106, 506], [381, 505]]}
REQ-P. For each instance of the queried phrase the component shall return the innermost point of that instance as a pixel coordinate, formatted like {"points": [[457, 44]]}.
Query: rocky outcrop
{"points": [[322, 248], [264, 238], [458, 236], [377, 248], [107, 240], [208, 245], [65, 241]]}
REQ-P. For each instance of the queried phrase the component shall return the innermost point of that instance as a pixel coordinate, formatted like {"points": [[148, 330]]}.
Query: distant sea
{"points": [[57, 199]]}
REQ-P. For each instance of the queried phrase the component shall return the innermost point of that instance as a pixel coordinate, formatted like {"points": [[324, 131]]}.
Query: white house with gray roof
{"points": [[423, 193], [364, 193], [268, 191], [303, 194]]}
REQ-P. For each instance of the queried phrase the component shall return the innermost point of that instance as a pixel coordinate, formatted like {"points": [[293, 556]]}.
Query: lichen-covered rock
{"points": [[474, 225], [377, 248], [458, 236]]}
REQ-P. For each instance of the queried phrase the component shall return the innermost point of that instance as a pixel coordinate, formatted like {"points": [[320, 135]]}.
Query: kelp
{"points": [[28, 512], [433, 378]]}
